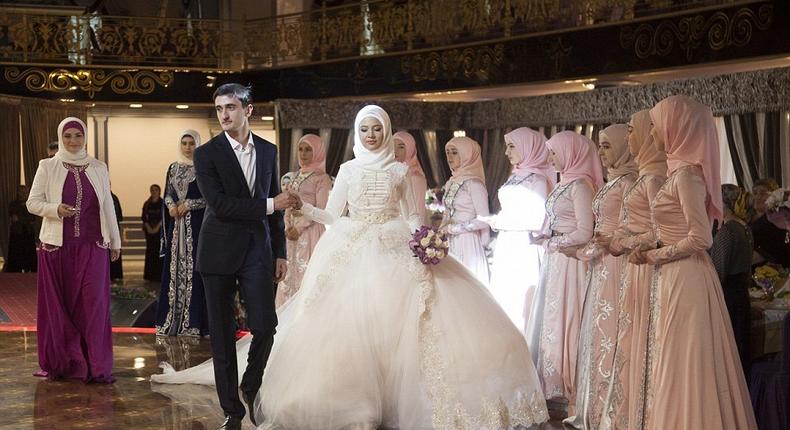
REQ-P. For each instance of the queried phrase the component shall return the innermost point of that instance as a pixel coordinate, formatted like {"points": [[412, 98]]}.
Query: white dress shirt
{"points": [[245, 154]]}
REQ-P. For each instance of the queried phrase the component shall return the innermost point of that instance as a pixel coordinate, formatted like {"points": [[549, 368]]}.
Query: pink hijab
{"points": [[690, 139], [535, 156], [578, 156], [471, 163], [411, 153], [650, 160], [318, 163], [624, 163]]}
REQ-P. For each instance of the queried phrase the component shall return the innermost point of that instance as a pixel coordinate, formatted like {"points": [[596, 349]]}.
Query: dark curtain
{"points": [[284, 148], [9, 165], [423, 157], [744, 145], [772, 148], [336, 150], [40, 122], [442, 137]]}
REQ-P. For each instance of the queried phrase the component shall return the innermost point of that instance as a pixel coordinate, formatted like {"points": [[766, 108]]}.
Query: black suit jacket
{"points": [[232, 214]]}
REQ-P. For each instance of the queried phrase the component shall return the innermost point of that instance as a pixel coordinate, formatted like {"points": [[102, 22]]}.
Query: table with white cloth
{"points": [[767, 322]]}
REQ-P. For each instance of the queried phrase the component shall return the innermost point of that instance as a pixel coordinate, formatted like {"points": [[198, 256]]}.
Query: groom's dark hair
{"points": [[244, 94]]}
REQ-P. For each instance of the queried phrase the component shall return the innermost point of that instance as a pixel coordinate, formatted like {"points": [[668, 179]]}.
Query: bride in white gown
{"points": [[374, 339]]}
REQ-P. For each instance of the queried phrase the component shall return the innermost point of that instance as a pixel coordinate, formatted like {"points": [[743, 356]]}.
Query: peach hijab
{"points": [[579, 158], [318, 163], [690, 138], [411, 152], [471, 163], [650, 160], [531, 145]]}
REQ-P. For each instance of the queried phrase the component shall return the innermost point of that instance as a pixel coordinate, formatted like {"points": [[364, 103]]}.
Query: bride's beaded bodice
{"points": [[374, 195], [371, 196]]}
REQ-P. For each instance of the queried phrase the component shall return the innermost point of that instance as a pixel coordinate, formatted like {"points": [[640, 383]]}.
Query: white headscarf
{"points": [[81, 158], [195, 135], [384, 156]]}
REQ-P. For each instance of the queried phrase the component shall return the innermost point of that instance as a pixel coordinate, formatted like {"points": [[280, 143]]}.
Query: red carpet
{"points": [[18, 299]]}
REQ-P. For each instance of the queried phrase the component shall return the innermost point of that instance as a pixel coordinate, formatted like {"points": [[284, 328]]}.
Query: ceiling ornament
{"points": [[718, 31], [90, 80]]}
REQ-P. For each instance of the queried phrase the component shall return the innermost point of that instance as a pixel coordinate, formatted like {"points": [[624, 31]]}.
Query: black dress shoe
{"points": [[231, 423], [249, 399]]}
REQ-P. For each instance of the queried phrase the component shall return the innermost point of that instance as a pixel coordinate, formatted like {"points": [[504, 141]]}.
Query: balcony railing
{"points": [[368, 28]]}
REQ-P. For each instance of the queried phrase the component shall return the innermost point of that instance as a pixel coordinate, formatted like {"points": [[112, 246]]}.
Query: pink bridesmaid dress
{"points": [[627, 383], [555, 318], [466, 199], [696, 380], [599, 318], [312, 184], [598, 336], [557, 310], [468, 235], [419, 185]]}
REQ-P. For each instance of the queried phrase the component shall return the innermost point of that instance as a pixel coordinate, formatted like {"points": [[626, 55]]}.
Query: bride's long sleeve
{"points": [[408, 206], [338, 198]]}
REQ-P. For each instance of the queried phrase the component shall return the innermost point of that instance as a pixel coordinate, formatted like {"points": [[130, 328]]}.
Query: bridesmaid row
{"points": [[612, 283], [628, 324]]}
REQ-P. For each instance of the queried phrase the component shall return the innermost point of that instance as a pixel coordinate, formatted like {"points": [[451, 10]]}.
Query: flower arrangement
{"points": [[429, 245], [768, 277], [433, 200], [778, 210]]}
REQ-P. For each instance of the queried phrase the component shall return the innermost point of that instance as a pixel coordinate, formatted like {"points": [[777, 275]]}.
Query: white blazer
{"points": [[46, 194]]}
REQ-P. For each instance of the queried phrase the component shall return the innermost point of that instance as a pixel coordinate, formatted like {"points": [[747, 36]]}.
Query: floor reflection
{"points": [[27, 402]]}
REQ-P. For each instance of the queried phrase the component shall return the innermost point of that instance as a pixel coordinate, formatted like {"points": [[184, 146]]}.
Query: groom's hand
{"points": [[284, 200], [280, 269]]}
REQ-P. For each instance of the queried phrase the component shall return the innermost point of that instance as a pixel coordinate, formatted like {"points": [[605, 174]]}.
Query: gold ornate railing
{"points": [[373, 27], [87, 40]]}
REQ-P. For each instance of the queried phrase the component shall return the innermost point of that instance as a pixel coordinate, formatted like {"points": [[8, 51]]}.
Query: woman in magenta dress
{"points": [[71, 192], [599, 317], [626, 385], [555, 317], [517, 258], [406, 152], [466, 199], [695, 379], [313, 185]]}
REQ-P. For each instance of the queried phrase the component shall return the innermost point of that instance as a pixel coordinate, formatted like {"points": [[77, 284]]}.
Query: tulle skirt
{"points": [[373, 339]]}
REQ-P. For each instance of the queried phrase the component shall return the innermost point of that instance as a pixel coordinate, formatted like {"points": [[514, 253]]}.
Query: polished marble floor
{"points": [[28, 402]]}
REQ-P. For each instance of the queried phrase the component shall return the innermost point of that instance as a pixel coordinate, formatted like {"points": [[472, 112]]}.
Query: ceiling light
{"points": [[267, 118], [459, 133], [67, 100], [135, 105], [182, 106]]}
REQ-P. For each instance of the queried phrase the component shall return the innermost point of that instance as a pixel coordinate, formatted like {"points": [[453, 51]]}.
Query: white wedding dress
{"points": [[374, 339]]}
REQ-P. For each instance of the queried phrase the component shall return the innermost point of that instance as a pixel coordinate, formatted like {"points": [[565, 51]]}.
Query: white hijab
{"points": [[383, 157], [195, 135], [81, 158]]}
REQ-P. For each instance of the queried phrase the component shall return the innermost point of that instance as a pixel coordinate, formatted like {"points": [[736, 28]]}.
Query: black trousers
{"points": [[254, 281]]}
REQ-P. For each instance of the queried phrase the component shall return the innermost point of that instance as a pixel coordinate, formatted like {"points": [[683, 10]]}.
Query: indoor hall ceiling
{"points": [[592, 82]]}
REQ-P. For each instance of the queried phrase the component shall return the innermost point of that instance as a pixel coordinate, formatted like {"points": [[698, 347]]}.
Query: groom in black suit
{"points": [[241, 245]]}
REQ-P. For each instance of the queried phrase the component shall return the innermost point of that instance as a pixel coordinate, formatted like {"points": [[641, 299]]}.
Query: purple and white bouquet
{"points": [[429, 245]]}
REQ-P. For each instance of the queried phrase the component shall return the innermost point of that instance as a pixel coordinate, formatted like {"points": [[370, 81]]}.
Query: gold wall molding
{"points": [[90, 80], [718, 31], [470, 63]]}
